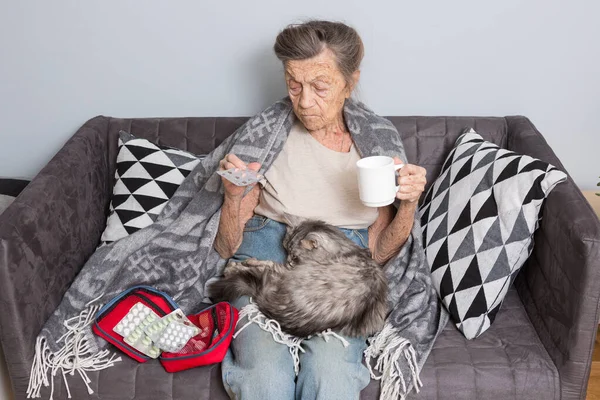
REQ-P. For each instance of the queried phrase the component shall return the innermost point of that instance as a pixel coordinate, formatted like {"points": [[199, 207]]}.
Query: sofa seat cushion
{"points": [[507, 362]]}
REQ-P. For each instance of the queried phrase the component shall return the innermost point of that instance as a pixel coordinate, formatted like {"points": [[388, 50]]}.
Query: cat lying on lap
{"points": [[327, 282]]}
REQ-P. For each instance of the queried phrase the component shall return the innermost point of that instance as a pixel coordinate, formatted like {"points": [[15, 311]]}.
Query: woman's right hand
{"points": [[232, 161]]}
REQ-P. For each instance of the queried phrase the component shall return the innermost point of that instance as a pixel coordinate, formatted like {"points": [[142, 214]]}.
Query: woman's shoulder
{"points": [[357, 108], [276, 109]]}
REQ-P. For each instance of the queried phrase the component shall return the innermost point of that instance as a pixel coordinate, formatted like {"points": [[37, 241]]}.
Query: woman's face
{"points": [[317, 89]]}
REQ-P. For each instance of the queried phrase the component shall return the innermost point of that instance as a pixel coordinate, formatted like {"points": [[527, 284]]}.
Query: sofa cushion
{"points": [[478, 222], [146, 177], [507, 362]]}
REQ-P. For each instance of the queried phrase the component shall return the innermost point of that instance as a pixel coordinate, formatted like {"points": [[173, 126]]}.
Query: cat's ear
{"points": [[309, 244], [310, 241], [292, 220]]}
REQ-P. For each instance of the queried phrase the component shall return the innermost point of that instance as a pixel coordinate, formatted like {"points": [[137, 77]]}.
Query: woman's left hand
{"points": [[412, 180]]}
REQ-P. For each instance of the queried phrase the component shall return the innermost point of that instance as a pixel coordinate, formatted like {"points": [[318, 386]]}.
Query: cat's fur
{"points": [[327, 282]]}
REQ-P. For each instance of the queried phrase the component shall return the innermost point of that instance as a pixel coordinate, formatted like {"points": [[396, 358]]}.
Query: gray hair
{"points": [[307, 40]]}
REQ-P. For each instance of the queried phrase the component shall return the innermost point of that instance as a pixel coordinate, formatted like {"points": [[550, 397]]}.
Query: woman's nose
{"points": [[306, 100]]}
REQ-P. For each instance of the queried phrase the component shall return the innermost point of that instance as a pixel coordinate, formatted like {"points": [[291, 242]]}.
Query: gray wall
{"points": [[63, 62]]}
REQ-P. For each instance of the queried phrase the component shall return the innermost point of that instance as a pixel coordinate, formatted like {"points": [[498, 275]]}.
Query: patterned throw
{"points": [[175, 254]]}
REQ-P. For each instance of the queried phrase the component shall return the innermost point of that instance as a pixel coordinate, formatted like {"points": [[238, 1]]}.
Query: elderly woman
{"points": [[314, 176]]}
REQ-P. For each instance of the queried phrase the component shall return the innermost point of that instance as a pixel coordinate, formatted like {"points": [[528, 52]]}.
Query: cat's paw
{"points": [[232, 268], [253, 262]]}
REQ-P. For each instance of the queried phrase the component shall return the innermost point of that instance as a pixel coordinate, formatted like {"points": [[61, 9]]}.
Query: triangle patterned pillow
{"points": [[478, 221], [146, 177]]}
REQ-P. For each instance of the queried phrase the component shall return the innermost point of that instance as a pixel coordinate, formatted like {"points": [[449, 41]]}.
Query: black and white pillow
{"points": [[478, 221], [147, 176]]}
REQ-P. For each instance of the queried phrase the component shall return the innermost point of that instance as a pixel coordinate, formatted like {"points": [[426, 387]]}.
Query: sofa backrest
{"points": [[427, 140]]}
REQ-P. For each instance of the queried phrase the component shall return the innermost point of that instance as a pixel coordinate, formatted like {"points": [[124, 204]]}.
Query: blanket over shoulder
{"points": [[176, 255]]}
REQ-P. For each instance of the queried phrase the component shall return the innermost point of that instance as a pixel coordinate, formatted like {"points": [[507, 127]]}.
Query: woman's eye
{"points": [[321, 91], [295, 89]]}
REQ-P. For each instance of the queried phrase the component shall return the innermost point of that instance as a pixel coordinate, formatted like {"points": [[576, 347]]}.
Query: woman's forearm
{"points": [[389, 241], [229, 236], [236, 211]]}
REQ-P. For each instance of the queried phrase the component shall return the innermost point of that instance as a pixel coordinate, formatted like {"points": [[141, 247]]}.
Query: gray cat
{"points": [[327, 282]]}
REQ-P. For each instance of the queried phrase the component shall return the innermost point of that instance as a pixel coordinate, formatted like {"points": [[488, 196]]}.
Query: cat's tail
{"points": [[242, 283]]}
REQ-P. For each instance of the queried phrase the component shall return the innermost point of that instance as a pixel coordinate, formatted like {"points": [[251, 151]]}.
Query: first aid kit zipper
{"points": [[109, 305]]}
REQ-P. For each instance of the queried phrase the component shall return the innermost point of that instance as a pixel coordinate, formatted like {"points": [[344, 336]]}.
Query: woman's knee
{"points": [[332, 361], [258, 367], [254, 349], [263, 381]]}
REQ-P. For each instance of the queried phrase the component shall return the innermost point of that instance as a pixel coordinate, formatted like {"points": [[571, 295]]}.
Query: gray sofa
{"points": [[538, 348]]}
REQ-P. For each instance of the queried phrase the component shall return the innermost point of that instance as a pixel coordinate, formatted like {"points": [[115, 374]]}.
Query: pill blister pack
{"points": [[175, 336], [241, 177], [208, 333], [197, 343], [131, 328], [157, 327]]}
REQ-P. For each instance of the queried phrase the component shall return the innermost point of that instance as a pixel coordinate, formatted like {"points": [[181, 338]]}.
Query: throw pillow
{"points": [[478, 221], [146, 177]]}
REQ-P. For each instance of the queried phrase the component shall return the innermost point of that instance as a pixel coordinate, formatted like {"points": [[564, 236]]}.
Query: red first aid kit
{"points": [[212, 328]]}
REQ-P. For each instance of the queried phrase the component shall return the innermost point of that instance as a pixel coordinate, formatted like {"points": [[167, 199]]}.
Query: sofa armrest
{"points": [[46, 235], [560, 284]]}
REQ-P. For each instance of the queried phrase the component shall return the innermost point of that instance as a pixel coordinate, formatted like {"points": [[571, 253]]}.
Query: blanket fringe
{"points": [[388, 348], [76, 355], [331, 334]]}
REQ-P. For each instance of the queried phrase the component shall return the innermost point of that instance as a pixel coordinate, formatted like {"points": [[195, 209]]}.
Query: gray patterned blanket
{"points": [[176, 255]]}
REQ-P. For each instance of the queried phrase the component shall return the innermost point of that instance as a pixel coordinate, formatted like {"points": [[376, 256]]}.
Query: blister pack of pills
{"points": [[241, 177], [156, 328], [131, 327], [175, 336]]}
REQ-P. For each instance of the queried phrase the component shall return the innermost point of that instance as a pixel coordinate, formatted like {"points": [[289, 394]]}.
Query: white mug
{"points": [[377, 180]]}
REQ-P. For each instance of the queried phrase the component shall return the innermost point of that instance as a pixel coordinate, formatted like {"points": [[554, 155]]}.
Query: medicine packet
{"points": [[241, 177]]}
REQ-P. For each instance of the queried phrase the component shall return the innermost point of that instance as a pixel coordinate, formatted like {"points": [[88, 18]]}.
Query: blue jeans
{"points": [[258, 368]]}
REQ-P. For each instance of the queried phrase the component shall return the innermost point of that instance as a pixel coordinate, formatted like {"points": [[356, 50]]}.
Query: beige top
{"points": [[309, 180]]}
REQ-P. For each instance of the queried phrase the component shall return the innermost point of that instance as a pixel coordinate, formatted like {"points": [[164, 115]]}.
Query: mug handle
{"points": [[396, 169]]}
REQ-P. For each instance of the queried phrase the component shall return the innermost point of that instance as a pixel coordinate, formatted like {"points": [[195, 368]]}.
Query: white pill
{"points": [[126, 331], [136, 320]]}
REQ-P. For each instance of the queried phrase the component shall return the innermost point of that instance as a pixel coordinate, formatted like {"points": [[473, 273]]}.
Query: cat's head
{"points": [[312, 240]]}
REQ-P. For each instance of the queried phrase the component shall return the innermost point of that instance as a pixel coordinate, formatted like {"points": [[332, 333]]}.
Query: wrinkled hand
{"points": [[232, 161], [412, 180]]}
